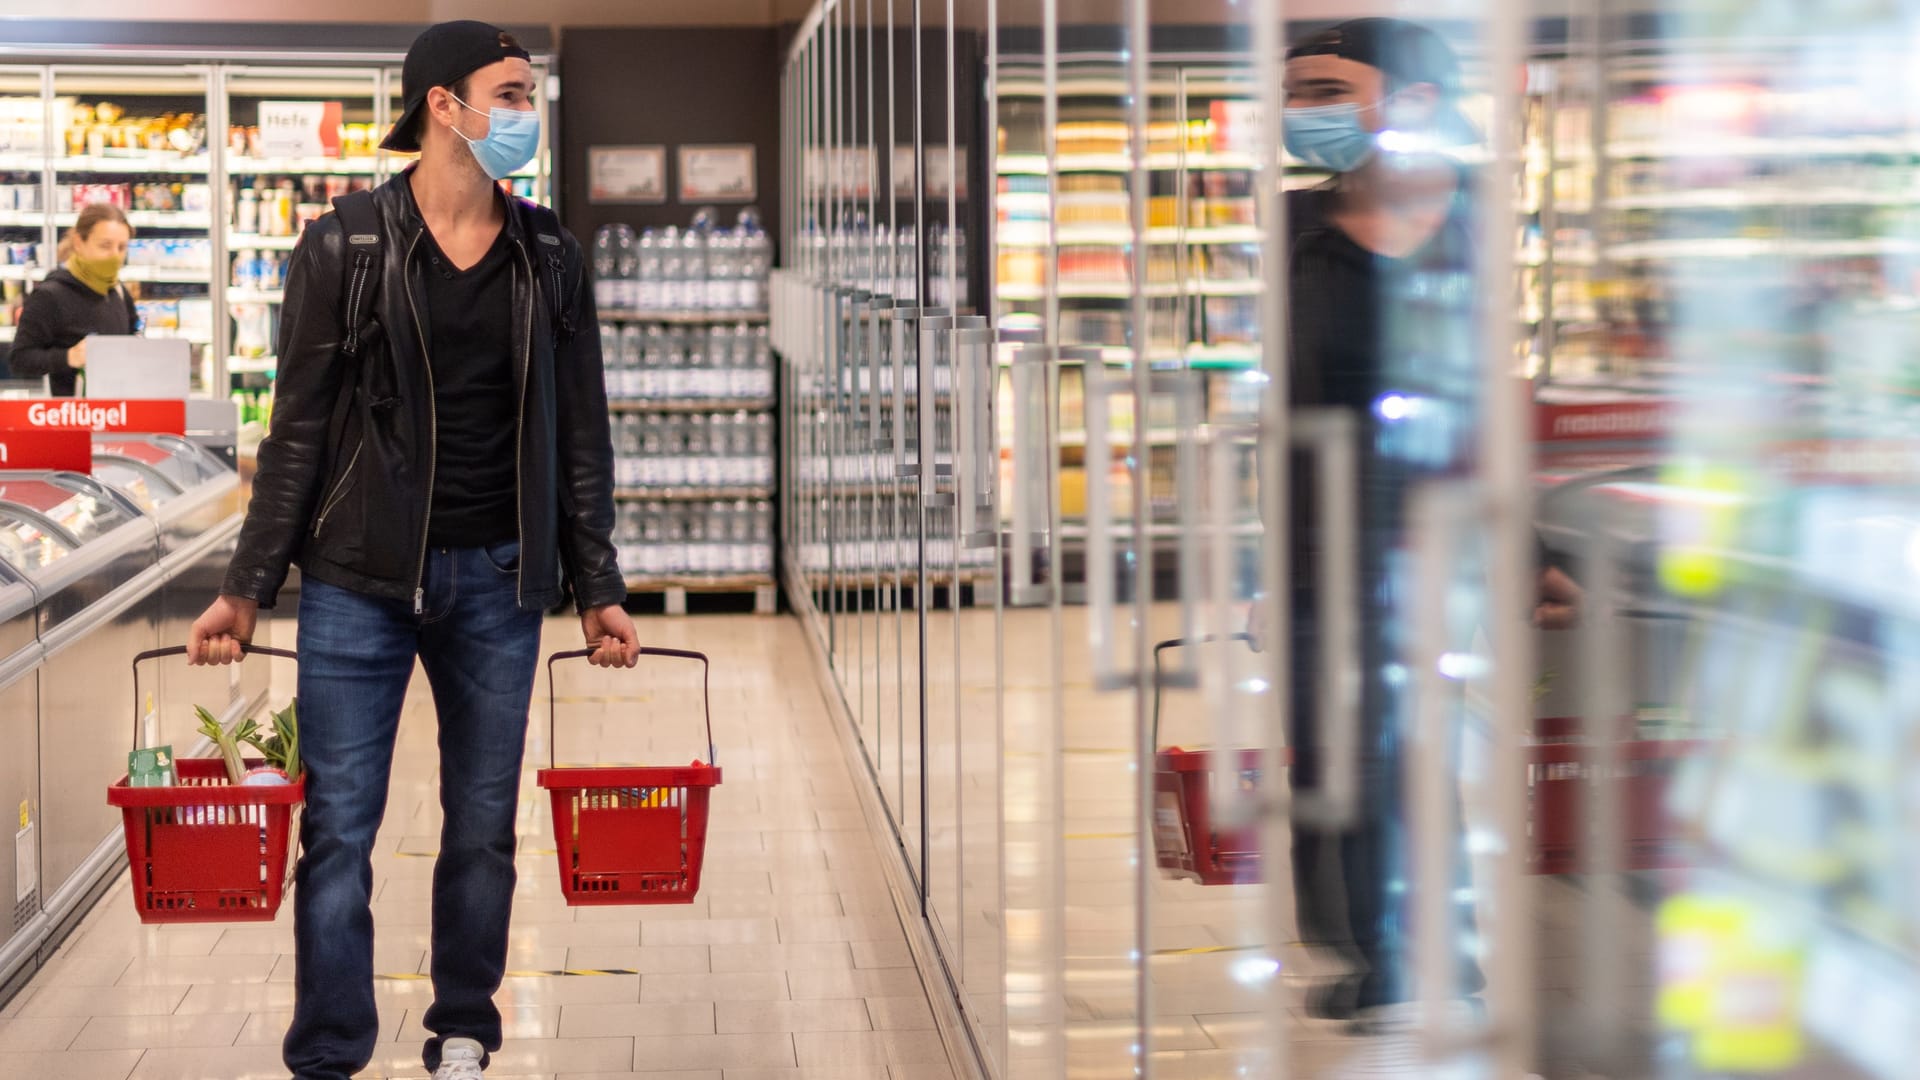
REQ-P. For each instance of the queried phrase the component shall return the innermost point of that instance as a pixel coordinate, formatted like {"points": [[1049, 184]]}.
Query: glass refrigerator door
{"points": [[23, 190], [296, 139], [137, 138], [535, 181]]}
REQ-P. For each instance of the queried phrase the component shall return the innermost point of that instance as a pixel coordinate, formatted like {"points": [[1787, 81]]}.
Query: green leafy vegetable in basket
{"points": [[282, 748], [229, 744]]}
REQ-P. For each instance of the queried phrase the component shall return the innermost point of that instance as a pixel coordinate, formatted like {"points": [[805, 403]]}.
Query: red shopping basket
{"points": [[1187, 842], [206, 850], [1558, 773], [626, 834]]}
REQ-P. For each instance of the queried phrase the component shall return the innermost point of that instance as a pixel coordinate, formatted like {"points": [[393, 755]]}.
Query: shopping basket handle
{"points": [[706, 694], [1178, 643], [181, 650]]}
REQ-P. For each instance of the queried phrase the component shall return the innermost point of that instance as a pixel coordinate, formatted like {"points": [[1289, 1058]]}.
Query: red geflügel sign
{"points": [[149, 417]]}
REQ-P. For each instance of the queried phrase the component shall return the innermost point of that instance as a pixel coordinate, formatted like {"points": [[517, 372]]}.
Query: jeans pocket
{"points": [[504, 556]]}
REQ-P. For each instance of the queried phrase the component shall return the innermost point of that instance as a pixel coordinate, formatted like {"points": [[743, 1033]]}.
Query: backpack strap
{"points": [[360, 221], [550, 252]]}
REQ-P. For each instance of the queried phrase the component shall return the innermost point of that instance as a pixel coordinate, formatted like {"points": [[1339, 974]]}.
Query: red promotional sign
{"points": [[147, 417], [65, 449], [1613, 421]]}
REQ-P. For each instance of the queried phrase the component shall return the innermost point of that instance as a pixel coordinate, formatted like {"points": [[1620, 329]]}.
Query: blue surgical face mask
{"points": [[512, 139], [1329, 136]]}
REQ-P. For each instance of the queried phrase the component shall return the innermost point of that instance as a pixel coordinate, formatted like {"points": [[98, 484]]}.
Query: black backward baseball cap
{"points": [[442, 55], [1407, 53]]}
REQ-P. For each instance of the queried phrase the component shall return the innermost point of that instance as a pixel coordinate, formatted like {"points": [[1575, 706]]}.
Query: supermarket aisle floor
{"points": [[791, 965]]}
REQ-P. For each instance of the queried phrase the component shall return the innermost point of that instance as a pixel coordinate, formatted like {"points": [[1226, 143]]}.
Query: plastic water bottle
{"points": [[604, 269], [627, 452], [762, 450], [699, 453], [673, 296], [699, 371], [693, 268], [626, 251], [653, 362], [609, 357], [631, 348], [647, 278], [762, 533], [724, 252], [762, 363]]}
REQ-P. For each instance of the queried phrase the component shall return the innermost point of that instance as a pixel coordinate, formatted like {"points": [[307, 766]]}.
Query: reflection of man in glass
{"points": [[1383, 327]]}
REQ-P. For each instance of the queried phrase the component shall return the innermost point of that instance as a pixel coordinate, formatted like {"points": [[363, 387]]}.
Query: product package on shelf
{"points": [[703, 268], [656, 362]]}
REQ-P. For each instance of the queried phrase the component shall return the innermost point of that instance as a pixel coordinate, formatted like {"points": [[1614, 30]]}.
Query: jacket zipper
{"points": [[340, 489], [433, 428], [520, 429]]}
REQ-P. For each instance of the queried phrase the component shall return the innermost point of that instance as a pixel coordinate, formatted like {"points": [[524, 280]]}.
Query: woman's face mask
{"points": [[512, 140]]}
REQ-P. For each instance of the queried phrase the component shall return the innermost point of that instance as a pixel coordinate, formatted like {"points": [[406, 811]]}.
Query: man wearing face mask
{"points": [[1383, 329], [440, 468]]}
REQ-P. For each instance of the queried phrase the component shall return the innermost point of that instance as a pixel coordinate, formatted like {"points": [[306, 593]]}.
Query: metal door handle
{"points": [[976, 436], [1331, 435], [1035, 372], [1101, 565]]}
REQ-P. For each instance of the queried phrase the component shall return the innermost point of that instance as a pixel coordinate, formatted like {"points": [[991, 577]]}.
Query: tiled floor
{"points": [[791, 965]]}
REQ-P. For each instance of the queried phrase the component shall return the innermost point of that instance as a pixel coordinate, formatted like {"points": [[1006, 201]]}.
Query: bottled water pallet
{"points": [[675, 589]]}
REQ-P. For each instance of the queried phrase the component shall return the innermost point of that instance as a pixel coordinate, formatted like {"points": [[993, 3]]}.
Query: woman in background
{"points": [[84, 296]]}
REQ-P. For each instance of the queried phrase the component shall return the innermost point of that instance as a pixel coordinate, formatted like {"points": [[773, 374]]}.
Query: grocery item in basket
{"points": [[151, 767], [282, 749], [228, 743]]}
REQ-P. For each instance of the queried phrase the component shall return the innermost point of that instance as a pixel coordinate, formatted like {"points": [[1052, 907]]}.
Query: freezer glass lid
{"points": [[149, 491], [27, 544], [69, 503], [180, 462]]}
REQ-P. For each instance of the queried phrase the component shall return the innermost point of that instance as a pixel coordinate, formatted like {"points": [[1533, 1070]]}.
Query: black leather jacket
{"points": [[346, 474]]}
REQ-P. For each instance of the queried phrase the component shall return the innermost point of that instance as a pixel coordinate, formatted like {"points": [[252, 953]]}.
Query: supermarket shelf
{"points": [[139, 219], [1010, 292], [7, 332], [1760, 146], [1224, 357], [868, 579], [1734, 198], [160, 274], [257, 296], [252, 365], [14, 163], [1094, 163], [1203, 161], [1095, 290], [1209, 234], [19, 273], [690, 317], [690, 405], [1034, 234], [1036, 164], [703, 493], [1734, 247], [1155, 437], [1021, 165], [296, 166], [171, 164], [257, 242]]}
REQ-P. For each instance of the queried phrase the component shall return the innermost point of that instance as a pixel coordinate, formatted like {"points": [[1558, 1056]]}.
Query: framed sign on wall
{"points": [[627, 174], [717, 173]]}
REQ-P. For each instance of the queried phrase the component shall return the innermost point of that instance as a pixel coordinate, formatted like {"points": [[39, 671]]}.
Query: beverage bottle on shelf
{"points": [[762, 363], [652, 535], [726, 344], [653, 362], [675, 540], [605, 291], [723, 270], [699, 543], [652, 448], [762, 450], [609, 348], [699, 371], [740, 449], [761, 559], [699, 452], [648, 277], [693, 269], [626, 267], [675, 383], [630, 360], [673, 273], [673, 466], [629, 538], [246, 212], [626, 450], [739, 538]]}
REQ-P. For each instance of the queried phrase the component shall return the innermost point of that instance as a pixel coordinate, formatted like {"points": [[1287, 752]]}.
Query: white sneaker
{"points": [[460, 1060]]}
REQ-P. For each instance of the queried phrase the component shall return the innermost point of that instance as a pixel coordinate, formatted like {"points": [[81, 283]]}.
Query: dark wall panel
{"points": [[635, 87]]}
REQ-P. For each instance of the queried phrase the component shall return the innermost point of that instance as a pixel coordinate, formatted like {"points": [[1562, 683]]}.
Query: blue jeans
{"points": [[356, 658]]}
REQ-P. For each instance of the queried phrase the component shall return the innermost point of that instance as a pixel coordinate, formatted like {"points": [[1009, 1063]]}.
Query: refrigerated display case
{"points": [[94, 569]]}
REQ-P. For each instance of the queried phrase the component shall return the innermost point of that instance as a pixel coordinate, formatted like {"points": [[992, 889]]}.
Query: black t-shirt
{"points": [[470, 345]]}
